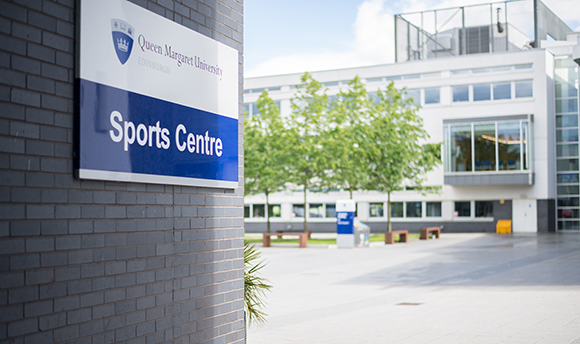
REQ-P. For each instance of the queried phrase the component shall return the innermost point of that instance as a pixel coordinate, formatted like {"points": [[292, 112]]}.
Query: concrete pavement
{"points": [[462, 288]]}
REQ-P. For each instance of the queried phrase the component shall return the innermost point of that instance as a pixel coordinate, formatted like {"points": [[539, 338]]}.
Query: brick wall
{"points": [[102, 262]]}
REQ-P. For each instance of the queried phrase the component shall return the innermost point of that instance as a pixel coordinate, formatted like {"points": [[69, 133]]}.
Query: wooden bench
{"points": [[302, 238], [281, 233], [390, 236], [426, 231]]}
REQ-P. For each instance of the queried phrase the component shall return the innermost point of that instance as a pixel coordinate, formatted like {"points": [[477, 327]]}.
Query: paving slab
{"points": [[461, 288]]}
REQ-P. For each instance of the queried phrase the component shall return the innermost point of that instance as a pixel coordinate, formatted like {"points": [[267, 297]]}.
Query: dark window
{"points": [[396, 209], [259, 211], [484, 209], [462, 209], [433, 209], [330, 210], [481, 92], [414, 209], [432, 95], [502, 90], [298, 210], [316, 210], [246, 211]]}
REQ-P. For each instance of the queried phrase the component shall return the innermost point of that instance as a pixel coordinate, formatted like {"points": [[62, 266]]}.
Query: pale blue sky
{"points": [[283, 36]]}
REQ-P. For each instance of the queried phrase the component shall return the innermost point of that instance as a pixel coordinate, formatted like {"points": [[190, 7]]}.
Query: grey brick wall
{"points": [[103, 262]]}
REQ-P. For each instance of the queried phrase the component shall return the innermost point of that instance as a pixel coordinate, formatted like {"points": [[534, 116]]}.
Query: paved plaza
{"points": [[462, 288]]}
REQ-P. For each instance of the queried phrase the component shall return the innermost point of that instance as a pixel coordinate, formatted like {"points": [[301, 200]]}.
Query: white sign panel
{"points": [[158, 102]]}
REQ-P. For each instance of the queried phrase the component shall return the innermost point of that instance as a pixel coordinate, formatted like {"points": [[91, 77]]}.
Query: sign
{"points": [[345, 237], [157, 102]]}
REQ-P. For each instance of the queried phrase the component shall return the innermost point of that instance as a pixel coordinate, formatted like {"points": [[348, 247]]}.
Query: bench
{"points": [[390, 236], [302, 238], [427, 230], [281, 233]]}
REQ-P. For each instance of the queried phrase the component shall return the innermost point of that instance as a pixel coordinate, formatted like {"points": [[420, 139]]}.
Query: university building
{"points": [[505, 107]]}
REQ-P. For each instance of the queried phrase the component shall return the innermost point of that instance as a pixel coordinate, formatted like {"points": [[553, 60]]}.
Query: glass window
{"points": [[566, 90], [524, 89], [316, 210], [568, 190], [246, 211], [460, 93], [566, 120], [563, 225], [481, 70], [568, 213], [501, 69], [376, 210], [394, 78], [275, 89], [246, 109], [332, 83], [460, 148], [484, 147], [509, 145], [462, 209], [566, 135], [330, 210], [502, 90], [567, 150], [433, 209], [567, 165], [298, 210], [374, 79], [481, 92], [432, 95], [525, 66], [396, 209], [414, 209], [431, 75], [258, 211], [411, 76], [567, 105], [566, 75], [568, 202], [483, 208], [525, 145], [568, 178], [275, 210], [413, 94], [460, 72]]}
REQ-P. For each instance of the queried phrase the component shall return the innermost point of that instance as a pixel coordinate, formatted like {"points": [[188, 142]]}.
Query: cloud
{"points": [[373, 45]]}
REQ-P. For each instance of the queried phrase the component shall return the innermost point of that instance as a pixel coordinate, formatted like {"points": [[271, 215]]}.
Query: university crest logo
{"points": [[122, 39]]}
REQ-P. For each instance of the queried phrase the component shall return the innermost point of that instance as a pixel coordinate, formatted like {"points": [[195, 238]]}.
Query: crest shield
{"points": [[122, 39]]}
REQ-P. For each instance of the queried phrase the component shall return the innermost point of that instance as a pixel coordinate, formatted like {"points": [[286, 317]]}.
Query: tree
{"points": [[307, 128], [396, 148], [345, 142], [264, 167]]}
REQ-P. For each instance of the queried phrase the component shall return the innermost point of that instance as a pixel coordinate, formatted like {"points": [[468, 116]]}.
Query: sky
{"points": [[282, 36]]}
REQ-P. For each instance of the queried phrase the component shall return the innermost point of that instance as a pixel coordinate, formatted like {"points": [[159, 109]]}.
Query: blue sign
{"points": [[345, 222], [148, 136]]}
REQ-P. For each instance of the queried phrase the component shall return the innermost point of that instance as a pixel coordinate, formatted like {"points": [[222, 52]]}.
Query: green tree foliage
{"points": [[396, 148], [264, 151], [307, 129], [349, 117], [255, 287]]}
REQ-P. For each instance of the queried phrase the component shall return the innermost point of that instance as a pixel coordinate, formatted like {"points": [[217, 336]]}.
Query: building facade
{"points": [[86, 261], [508, 124]]}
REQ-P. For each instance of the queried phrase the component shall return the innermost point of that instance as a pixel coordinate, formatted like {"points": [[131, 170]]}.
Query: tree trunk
{"points": [[305, 204], [350, 189], [267, 212], [389, 212]]}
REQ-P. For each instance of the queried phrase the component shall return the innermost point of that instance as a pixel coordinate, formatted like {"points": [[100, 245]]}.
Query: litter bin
{"points": [[362, 234]]}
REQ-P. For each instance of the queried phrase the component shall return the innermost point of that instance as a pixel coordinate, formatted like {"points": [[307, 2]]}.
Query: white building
{"points": [[508, 121]]}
